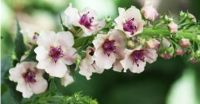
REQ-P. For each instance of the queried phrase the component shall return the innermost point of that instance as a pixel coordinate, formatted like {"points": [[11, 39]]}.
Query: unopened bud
{"points": [[184, 43], [153, 43], [173, 27], [180, 51]]}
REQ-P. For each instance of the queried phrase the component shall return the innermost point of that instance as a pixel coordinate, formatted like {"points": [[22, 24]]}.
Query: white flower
{"points": [[149, 12], [173, 27], [130, 21], [88, 65], [135, 60], [54, 52], [29, 79], [108, 48], [67, 79], [85, 19]]}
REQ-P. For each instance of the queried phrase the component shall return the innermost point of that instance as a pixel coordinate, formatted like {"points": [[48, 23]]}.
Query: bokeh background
{"points": [[174, 81]]}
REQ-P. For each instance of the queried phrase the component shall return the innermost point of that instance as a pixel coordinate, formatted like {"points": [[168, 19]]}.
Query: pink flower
{"points": [[108, 47], [149, 12], [173, 27], [88, 65], [130, 21], [184, 43], [85, 19], [135, 60], [29, 79], [54, 52]]}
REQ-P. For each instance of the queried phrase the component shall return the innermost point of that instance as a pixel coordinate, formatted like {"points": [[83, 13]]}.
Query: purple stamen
{"points": [[29, 76], [109, 46], [86, 20], [129, 26], [137, 55], [55, 53]]}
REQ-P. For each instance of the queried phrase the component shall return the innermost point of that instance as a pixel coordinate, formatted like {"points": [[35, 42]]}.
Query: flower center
{"points": [[109, 46], [137, 55], [55, 53], [29, 76], [129, 26], [86, 20]]}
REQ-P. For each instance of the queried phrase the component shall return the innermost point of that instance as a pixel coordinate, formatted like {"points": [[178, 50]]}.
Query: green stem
{"points": [[162, 32]]}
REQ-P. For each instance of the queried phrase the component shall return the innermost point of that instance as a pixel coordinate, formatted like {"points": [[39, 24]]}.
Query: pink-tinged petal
{"points": [[69, 56], [66, 38], [57, 69], [42, 53], [71, 16], [98, 41], [126, 62], [102, 60], [24, 89], [151, 55], [46, 38], [138, 68], [86, 68], [15, 74], [67, 79], [117, 66], [39, 86]]}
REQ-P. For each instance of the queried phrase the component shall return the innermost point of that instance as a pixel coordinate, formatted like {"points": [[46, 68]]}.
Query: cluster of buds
{"points": [[126, 43]]}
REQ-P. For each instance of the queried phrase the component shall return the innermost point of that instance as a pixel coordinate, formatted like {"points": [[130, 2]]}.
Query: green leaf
{"points": [[77, 98], [20, 47], [31, 55], [83, 41]]}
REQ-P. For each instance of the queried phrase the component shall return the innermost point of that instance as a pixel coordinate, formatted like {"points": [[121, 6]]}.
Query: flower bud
{"points": [[180, 51], [192, 17], [184, 43], [149, 12], [153, 43], [166, 56], [173, 27]]}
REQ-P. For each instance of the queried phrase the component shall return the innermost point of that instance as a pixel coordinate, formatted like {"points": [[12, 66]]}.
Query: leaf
{"points": [[31, 55], [20, 47], [82, 41]]}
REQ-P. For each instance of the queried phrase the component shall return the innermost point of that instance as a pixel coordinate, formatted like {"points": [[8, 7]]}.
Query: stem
{"points": [[163, 32]]}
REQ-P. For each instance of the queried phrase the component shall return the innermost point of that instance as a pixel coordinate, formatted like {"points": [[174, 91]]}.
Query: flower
{"points": [[184, 43], [149, 12], [135, 60], [54, 52], [153, 43], [173, 27], [67, 79], [85, 19], [88, 65], [130, 21], [28, 78], [108, 48]]}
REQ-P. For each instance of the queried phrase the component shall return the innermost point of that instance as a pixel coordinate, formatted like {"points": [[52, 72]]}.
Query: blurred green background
{"points": [[173, 81]]}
